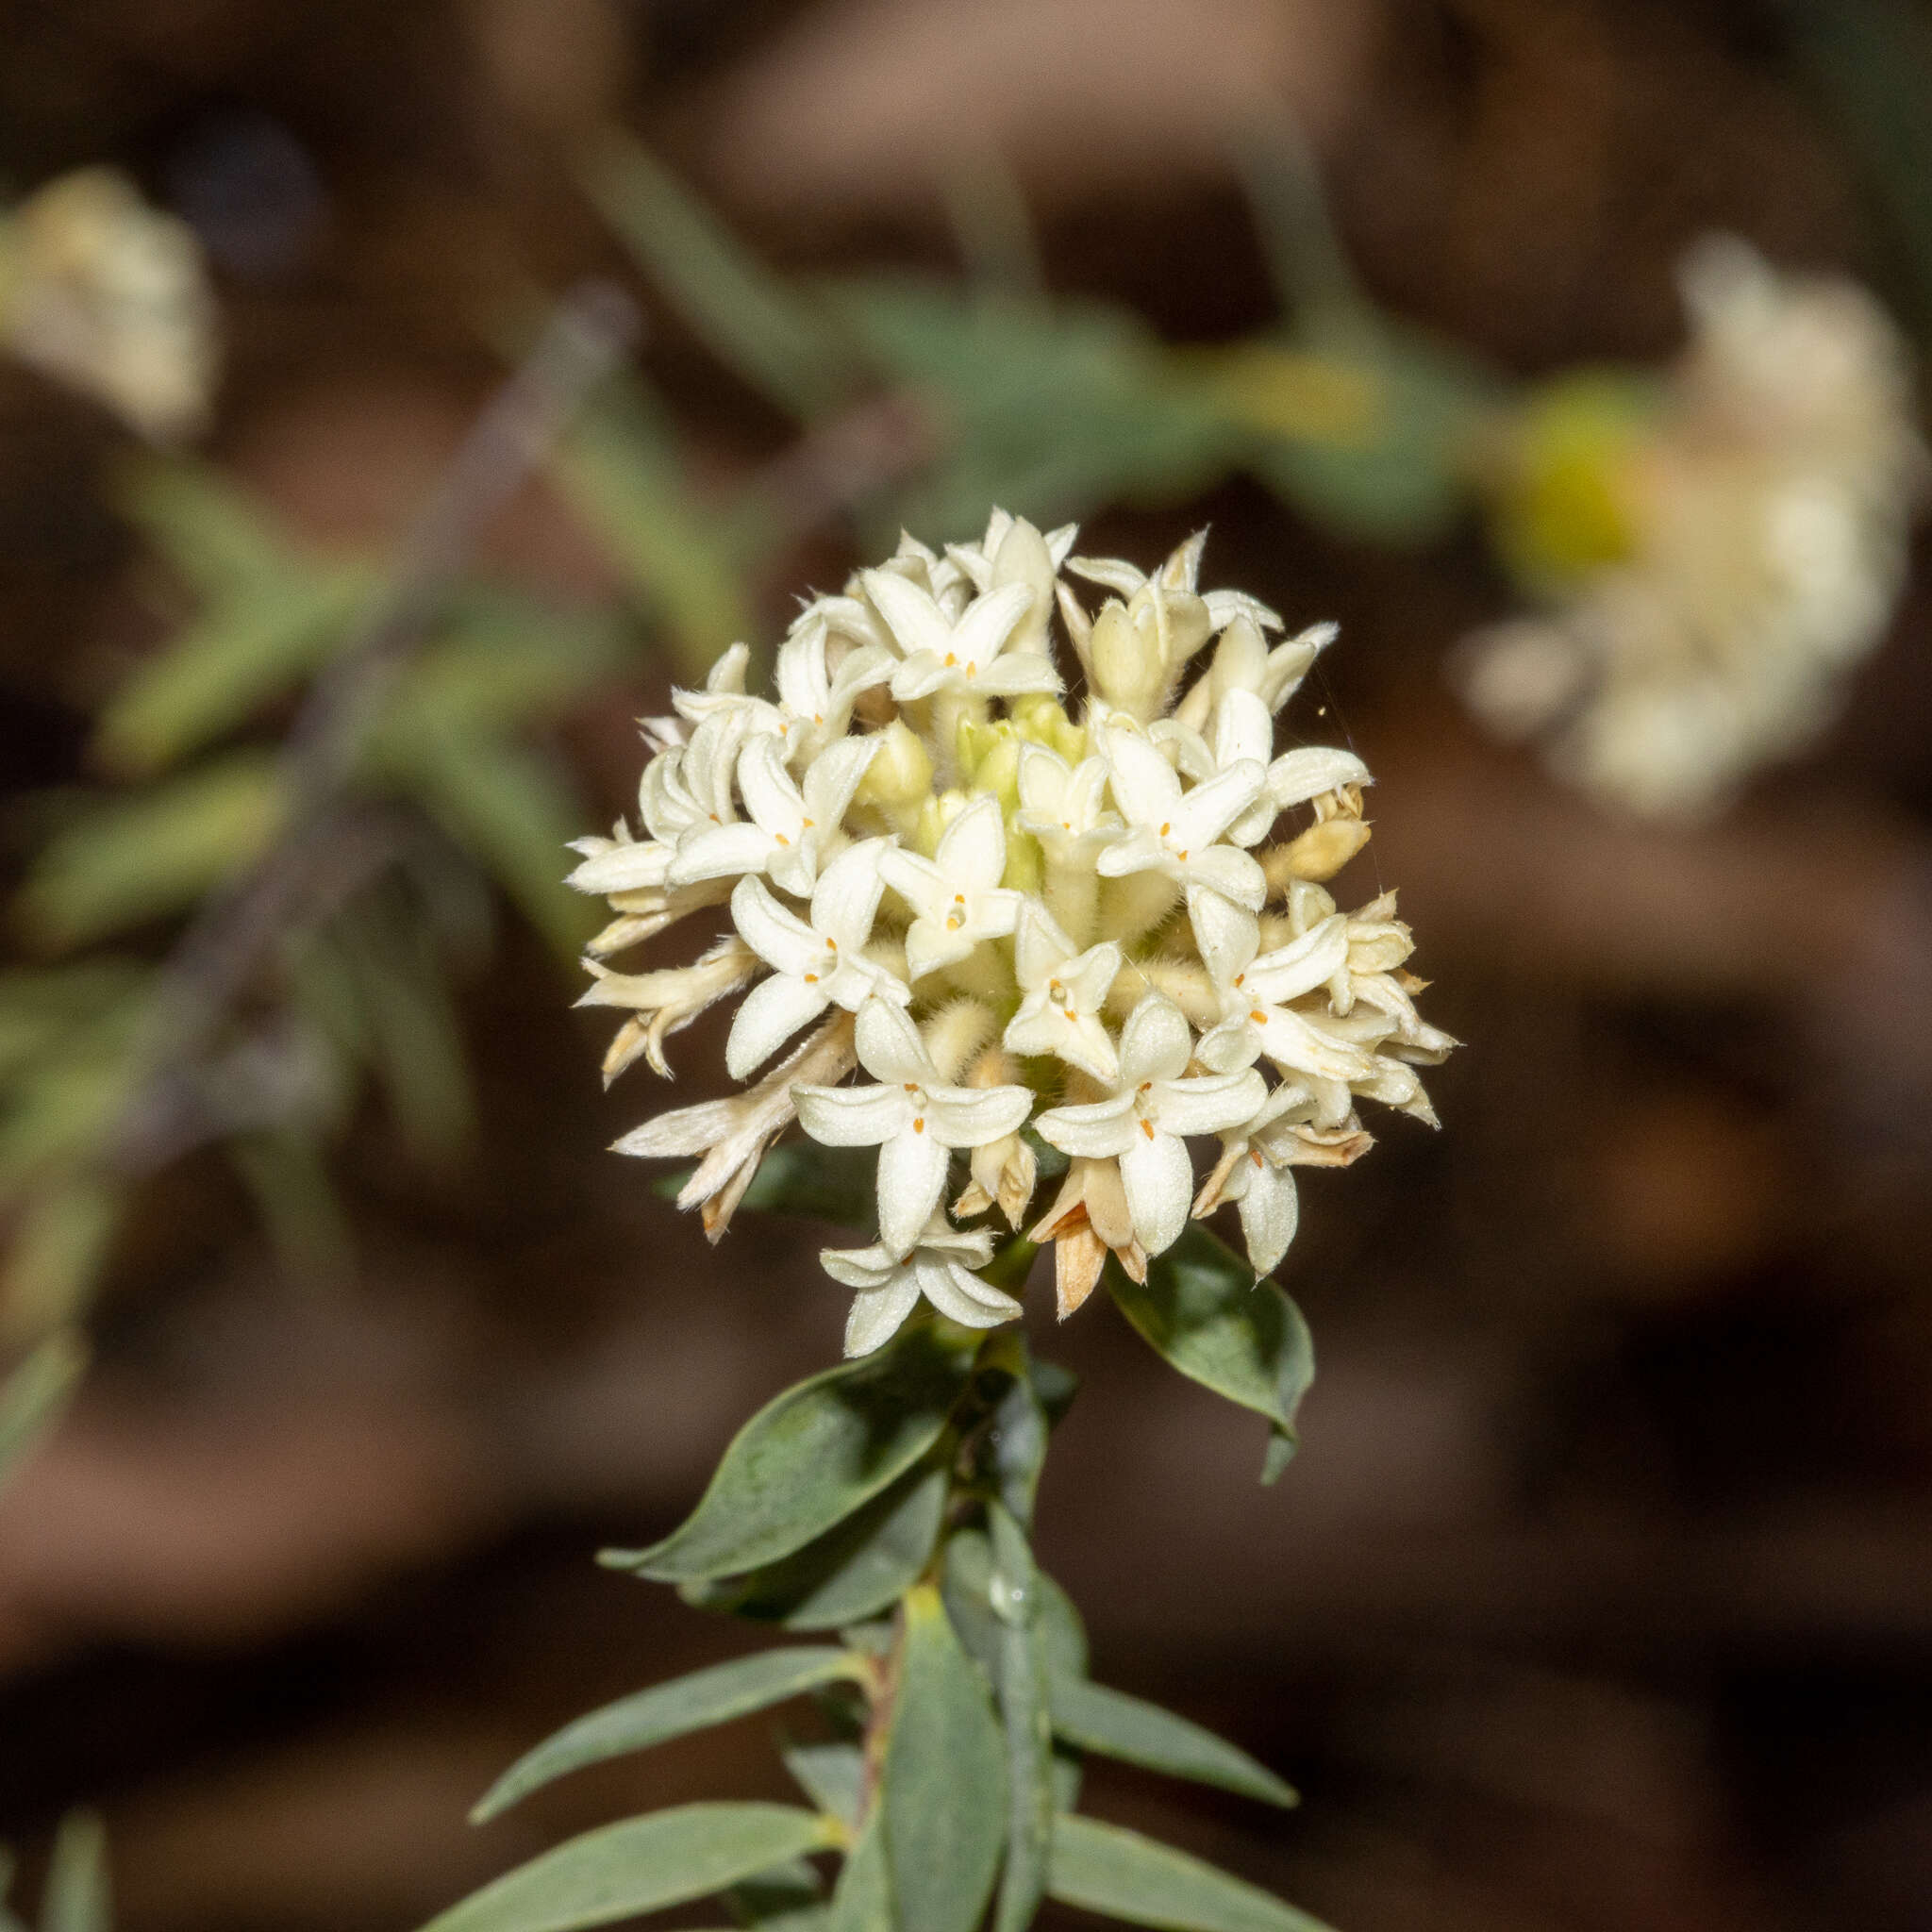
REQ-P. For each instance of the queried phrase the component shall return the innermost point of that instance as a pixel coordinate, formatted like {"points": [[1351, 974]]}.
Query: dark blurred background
{"points": [[1599, 1595]]}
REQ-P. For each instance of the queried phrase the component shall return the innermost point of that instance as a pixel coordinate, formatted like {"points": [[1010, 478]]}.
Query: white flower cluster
{"points": [[1012, 920], [1765, 508], [102, 292]]}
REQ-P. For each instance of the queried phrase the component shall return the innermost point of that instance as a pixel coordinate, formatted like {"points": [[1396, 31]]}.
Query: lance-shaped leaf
{"points": [[944, 1790], [852, 1572], [76, 1898], [1129, 1728], [812, 1455], [831, 1775], [35, 1395], [641, 1865], [1107, 1868], [1023, 1699], [691, 1703], [862, 1901], [789, 1899], [1201, 1308]]}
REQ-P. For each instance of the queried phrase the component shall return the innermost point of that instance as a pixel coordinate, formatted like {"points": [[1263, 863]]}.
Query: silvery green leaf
{"points": [[787, 1899], [943, 1787], [855, 1569], [1129, 1728], [641, 1865], [1201, 1308], [1022, 1689], [812, 1455], [863, 1900], [712, 1696], [1107, 1868], [77, 1897], [831, 1775]]}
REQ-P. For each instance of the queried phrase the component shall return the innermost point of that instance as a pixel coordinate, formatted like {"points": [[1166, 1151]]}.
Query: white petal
{"points": [[770, 795], [869, 1267], [1291, 1042], [1232, 1045], [1225, 933], [834, 777], [981, 634], [929, 947], [1160, 1180], [958, 1293], [1208, 809], [1210, 1102], [890, 1047], [912, 1177], [620, 868], [1244, 728], [1270, 1211], [1233, 875], [847, 898], [877, 1313], [912, 616], [921, 675], [918, 881], [1040, 947], [770, 1014], [720, 851], [1137, 851], [1301, 774], [1155, 1044], [1016, 676], [973, 849], [1092, 1131], [851, 1116], [779, 937], [1290, 971], [971, 1116], [1110, 572], [1144, 786]]}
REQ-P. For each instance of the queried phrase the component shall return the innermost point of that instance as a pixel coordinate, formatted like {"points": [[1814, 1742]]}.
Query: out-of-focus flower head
{"points": [[1033, 923], [1714, 551], [103, 293]]}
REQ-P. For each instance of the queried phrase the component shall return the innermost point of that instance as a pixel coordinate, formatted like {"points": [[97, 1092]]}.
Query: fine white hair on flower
{"points": [[1714, 553], [1070, 909]]}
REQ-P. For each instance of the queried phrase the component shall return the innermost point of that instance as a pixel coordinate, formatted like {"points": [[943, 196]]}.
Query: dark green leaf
{"points": [[789, 1899], [813, 1454], [863, 1900], [1117, 1725], [943, 1801], [691, 1703], [34, 1398], [1106, 1869], [825, 1183], [852, 1571], [968, 1584], [77, 1896], [831, 1775], [771, 334], [1023, 1699], [1201, 1308], [1018, 1441], [641, 1865]]}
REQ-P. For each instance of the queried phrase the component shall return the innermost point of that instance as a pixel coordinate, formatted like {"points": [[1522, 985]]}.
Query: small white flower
{"points": [[964, 657], [911, 1117], [1142, 1123], [1064, 993], [1064, 805], [790, 826], [940, 1268], [815, 966], [955, 894], [1258, 1019]]}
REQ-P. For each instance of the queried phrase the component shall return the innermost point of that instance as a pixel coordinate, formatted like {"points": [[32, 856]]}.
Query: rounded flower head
{"points": [[1047, 909]]}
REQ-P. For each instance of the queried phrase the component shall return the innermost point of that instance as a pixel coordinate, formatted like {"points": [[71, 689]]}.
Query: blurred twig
{"points": [[227, 942]]}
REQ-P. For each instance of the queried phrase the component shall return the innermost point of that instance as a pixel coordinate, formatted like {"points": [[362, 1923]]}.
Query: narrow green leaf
{"points": [[831, 1775], [813, 1454], [968, 1585], [131, 860], [304, 1221], [944, 1781], [641, 1865], [213, 674], [59, 1245], [1201, 1308], [76, 1898], [852, 1572], [1107, 1868], [768, 332], [863, 1900], [691, 1703], [1018, 1440], [1022, 1698], [825, 1183], [1117, 1725], [788, 1899], [35, 1396], [218, 536]]}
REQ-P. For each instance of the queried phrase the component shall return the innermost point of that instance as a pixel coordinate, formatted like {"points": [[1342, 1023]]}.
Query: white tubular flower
{"points": [[969, 656], [1039, 865], [813, 966], [790, 826], [956, 895], [939, 1268], [1064, 993], [911, 1117], [1143, 1123]]}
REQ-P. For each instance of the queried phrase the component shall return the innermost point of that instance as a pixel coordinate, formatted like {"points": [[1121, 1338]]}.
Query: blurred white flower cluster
{"points": [[103, 293], [1719, 553], [1015, 923]]}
